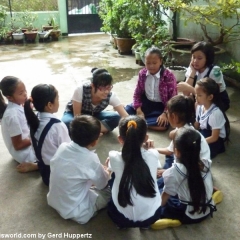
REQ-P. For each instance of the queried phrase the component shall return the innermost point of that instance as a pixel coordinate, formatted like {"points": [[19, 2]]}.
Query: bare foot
{"points": [[27, 167]]}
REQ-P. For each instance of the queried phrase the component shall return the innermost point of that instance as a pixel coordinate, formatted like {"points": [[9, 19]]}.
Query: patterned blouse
{"points": [[167, 87]]}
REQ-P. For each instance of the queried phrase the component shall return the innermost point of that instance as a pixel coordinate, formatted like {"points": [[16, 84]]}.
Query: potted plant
{"points": [[18, 35], [51, 23], [116, 21], [28, 19], [109, 23], [222, 17], [5, 35], [55, 32], [5, 32], [231, 72]]}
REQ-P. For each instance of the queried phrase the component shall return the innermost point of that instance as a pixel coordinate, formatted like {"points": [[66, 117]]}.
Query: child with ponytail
{"points": [[47, 132], [135, 197], [181, 114], [188, 187]]}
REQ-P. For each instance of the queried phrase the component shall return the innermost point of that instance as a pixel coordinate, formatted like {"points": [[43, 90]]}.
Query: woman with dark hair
{"points": [[135, 197], [201, 66], [92, 98], [46, 131]]}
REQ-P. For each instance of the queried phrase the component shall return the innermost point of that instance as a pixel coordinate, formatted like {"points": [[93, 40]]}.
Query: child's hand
{"points": [[193, 70], [140, 113], [148, 144], [184, 87], [160, 172], [162, 120], [107, 162]]}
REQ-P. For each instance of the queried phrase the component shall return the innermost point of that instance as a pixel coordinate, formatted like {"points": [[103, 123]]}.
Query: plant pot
{"points": [[55, 34], [42, 34], [179, 72], [181, 54], [181, 41], [18, 36], [7, 39], [125, 45], [137, 55], [46, 28], [31, 36]]}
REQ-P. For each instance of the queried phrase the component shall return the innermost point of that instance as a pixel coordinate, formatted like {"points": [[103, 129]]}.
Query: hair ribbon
{"points": [[131, 123]]}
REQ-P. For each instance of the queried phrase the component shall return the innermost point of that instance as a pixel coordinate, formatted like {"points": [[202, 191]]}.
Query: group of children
{"points": [[138, 194]]}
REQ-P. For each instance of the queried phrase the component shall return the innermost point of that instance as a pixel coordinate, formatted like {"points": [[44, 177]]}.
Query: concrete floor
{"points": [[23, 205]]}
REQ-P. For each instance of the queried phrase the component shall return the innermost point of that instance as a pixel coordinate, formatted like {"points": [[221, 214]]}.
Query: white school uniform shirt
{"points": [[143, 207], [56, 135], [205, 150], [215, 74], [175, 183], [78, 97], [213, 116], [14, 123], [74, 170], [152, 87]]}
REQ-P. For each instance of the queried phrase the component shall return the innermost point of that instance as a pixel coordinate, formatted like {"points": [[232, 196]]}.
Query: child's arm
{"points": [[214, 137], [164, 151], [185, 88], [19, 143], [196, 125], [77, 108], [121, 111], [165, 198]]}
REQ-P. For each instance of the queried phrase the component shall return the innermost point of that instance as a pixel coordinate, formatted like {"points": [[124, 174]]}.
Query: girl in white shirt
{"points": [[14, 126], [201, 66], [47, 132], [211, 119], [135, 196], [188, 186], [181, 114]]}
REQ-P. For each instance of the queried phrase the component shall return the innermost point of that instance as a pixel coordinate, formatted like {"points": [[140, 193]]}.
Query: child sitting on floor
{"points": [[181, 114], [15, 131], [188, 187], [78, 181], [155, 86], [135, 197], [211, 120], [46, 130]]}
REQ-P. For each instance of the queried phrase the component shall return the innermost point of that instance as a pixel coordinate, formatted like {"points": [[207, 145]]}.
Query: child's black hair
{"points": [[41, 95], [209, 86], [188, 142], [101, 77], [8, 86], [207, 49], [183, 107], [154, 50], [85, 129], [136, 172]]}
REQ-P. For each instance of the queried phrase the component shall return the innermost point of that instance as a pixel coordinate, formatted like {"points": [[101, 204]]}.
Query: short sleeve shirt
{"points": [[215, 74], [78, 97]]}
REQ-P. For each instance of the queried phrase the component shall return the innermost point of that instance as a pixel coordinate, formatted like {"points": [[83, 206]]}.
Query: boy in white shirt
{"points": [[74, 171]]}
